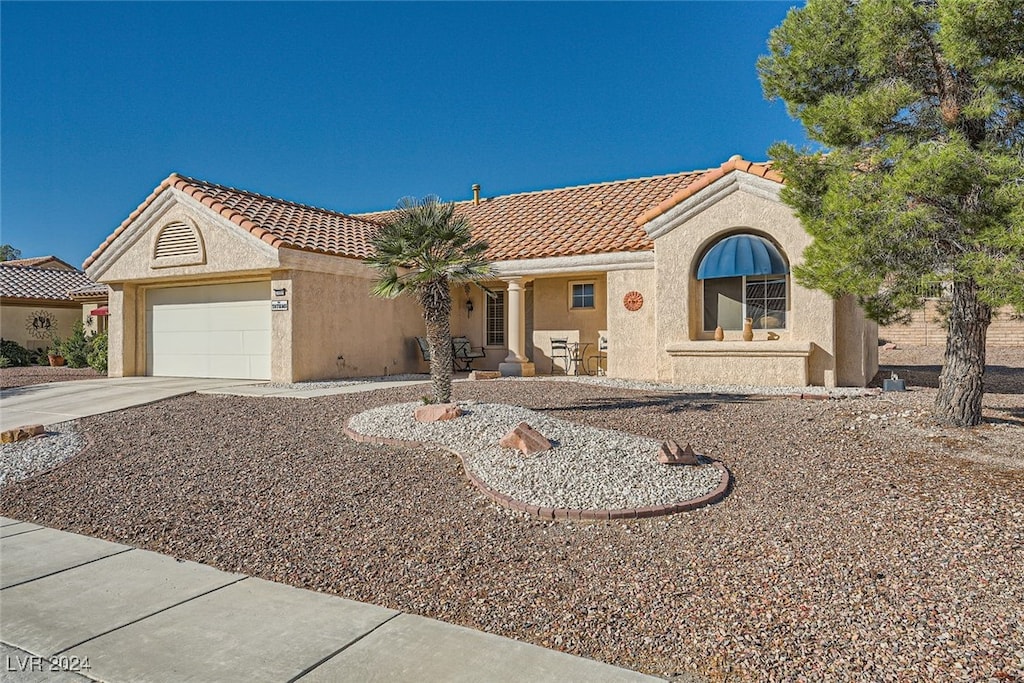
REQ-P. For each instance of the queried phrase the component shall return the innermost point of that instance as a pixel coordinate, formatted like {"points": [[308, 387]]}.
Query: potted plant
{"points": [[54, 354]]}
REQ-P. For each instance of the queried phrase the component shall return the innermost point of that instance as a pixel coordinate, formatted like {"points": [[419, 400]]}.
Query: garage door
{"points": [[209, 331]]}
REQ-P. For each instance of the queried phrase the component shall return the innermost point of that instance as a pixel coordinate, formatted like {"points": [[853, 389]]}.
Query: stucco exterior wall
{"points": [[810, 318], [632, 348], [122, 344], [856, 345], [338, 329], [16, 319], [553, 316]]}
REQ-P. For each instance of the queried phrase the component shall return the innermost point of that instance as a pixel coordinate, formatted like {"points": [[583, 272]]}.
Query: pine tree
{"points": [[919, 106]]}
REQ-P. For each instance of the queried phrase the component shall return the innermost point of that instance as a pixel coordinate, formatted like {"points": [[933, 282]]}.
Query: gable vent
{"points": [[178, 244], [177, 239]]}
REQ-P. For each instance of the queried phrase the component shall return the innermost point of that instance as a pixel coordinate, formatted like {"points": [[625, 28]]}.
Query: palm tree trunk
{"points": [[436, 302], [961, 384]]}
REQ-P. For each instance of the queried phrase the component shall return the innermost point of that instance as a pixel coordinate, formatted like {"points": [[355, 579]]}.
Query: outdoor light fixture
{"points": [[469, 305], [280, 291]]}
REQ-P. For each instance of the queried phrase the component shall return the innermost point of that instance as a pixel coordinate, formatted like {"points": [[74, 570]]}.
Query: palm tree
{"points": [[423, 248]]}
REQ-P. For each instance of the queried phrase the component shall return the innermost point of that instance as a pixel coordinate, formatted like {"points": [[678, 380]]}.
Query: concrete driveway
{"points": [[59, 401]]}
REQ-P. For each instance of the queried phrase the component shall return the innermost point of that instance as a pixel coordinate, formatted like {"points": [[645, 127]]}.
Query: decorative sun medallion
{"points": [[41, 324], [633, 301]]}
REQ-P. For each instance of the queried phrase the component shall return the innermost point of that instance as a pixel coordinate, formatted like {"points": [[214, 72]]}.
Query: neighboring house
{"points": [[212, 281], [43, 297]]}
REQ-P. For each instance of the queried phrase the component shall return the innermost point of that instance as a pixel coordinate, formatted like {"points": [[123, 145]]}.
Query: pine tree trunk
{"points": [[961, 384], [436, 302]]}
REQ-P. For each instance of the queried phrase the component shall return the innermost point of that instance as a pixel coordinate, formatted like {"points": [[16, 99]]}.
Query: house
{"points": [[211, 281], [43, 297]]}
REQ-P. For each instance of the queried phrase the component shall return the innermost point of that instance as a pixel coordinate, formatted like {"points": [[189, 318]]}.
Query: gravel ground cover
{"points": [[587, 468], [861, 541], [22, 459], [43, 374]]}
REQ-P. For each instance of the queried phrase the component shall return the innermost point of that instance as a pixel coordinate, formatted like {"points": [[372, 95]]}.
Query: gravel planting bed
{"points": [[851, 548], [22, 459], [42, 374], [588, 468]]}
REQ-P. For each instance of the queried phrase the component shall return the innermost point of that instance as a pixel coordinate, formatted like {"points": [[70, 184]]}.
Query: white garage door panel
{"points": [[209, 331]]}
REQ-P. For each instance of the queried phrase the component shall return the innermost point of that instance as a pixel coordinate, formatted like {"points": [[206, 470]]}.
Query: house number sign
{"points": [[279, 305], [633, 301]]}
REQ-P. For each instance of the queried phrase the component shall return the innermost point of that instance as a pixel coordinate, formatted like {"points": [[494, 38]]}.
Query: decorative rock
{"points": [[435, 412], [890, 346], [21, 433], [671, 454], [484, 374], [526, 439]]}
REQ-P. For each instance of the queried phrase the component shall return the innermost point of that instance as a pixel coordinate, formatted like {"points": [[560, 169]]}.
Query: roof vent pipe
{"points": [[476, 194]]}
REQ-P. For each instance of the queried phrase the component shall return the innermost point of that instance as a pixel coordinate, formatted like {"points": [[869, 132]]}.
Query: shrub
{"points": [[76, 347], [14, 352], [5, 362], [98, 353]]}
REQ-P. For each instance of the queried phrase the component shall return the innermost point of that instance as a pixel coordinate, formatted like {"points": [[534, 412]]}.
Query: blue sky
{"points": [[351, 106]]}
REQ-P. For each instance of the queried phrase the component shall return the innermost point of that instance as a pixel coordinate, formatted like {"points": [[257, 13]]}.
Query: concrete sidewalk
{"points": [[132, 615]]}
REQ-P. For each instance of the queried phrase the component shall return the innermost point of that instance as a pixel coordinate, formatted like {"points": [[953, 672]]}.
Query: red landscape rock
{"points": [[435, 412], [526, 439], [671, 454], [21, 433]]}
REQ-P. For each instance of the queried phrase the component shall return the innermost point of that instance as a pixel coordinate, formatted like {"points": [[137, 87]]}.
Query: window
{"points": [[728, 300], [744, 276], [495, 319], [582, 295]]}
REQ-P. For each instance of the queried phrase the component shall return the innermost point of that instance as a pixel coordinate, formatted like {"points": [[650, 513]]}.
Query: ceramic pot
{"points": [[55, 360], [748, 329], [719, 333]]}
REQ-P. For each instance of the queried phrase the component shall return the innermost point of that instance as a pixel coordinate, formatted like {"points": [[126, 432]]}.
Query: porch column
{"points": [[516, 363]]}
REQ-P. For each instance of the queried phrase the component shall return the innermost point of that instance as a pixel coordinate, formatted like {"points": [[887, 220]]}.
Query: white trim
{"points": [[708, 197], [621, 260]]}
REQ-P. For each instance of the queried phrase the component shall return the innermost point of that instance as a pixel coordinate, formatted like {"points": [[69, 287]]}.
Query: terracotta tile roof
{"points": [[277, 222], [92, 291], [27, 282], [569, 221], [40, 262], [588, 219], [736, 163]]}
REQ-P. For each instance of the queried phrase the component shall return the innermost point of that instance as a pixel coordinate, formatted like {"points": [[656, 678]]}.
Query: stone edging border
{"points": [[563, 513]]}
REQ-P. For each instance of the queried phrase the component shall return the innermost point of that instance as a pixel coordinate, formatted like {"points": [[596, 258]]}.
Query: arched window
{"points": [[744, 276]]}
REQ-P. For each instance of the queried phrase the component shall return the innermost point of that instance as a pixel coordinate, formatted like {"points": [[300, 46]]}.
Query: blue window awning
{"points": [[742, 255]]}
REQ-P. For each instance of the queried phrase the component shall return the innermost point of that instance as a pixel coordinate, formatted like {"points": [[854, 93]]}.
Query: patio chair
{"points": [[463, 354], [600, 360], [424, 348], [560, 349]]}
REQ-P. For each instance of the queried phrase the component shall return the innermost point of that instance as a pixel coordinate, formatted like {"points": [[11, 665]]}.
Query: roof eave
{"points": [[732, 165]]}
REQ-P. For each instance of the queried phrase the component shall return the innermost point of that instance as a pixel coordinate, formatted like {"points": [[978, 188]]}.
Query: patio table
{"points": [[577, 355]]}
